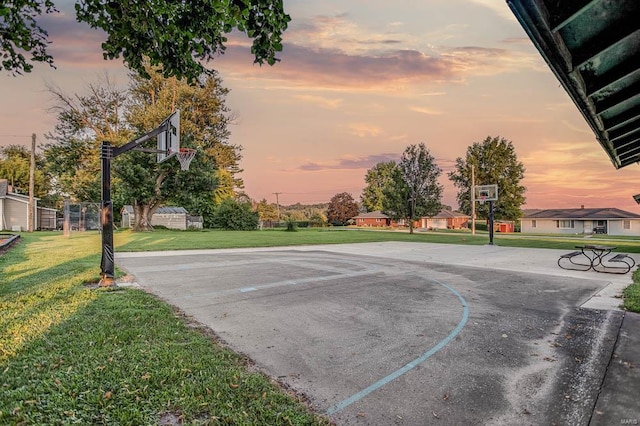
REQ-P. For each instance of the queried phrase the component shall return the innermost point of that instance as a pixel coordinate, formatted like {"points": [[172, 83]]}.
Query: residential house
{"points": [[445, 219], [169, 217], [14, 211], [374, 219], [609, 221]]}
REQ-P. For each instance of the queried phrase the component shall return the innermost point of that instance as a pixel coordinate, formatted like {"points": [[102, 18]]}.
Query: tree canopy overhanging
{"points": [[178, 36]]}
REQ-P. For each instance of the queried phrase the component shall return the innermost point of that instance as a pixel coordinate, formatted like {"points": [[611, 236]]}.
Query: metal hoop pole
{"points": [[490, 223], [106, 218]]}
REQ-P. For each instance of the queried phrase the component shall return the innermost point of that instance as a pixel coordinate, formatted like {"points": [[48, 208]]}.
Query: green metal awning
{"points": [[593, 47]]}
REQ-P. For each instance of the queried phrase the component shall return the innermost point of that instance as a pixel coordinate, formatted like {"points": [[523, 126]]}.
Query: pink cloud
{"points": [[358, 163]]}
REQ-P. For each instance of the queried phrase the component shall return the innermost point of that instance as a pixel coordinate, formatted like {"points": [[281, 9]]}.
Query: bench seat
{"points": [[572, 254], [620, 258]]}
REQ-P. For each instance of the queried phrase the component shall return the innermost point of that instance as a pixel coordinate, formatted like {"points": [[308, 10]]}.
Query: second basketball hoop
{"points": [[484, 193]]}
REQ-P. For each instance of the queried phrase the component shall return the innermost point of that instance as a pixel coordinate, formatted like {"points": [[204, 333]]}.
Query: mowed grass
{"points": [[632, 294], [215, 239], [70, 354]]}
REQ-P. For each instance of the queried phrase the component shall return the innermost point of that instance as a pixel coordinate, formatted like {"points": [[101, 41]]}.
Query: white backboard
{"points": [[484, 193], [169, 140]]}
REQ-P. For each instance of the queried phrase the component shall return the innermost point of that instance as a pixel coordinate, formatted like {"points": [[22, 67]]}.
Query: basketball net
{"points": [[185, 155], [482, 199]]}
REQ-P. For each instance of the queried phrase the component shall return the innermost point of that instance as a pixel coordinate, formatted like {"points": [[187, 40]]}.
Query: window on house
{"points": [[626, 224], [534, 224], [378, 219], [565, 224]]}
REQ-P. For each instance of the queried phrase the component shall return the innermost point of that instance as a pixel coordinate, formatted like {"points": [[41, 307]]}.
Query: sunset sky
{"points": [[360, 80]]}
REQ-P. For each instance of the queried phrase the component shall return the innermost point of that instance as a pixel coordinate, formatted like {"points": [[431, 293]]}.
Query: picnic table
{"points": [[598, 258]]}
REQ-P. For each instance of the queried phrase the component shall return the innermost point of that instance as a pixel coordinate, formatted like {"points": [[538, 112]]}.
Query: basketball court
{"points": [[401, 333]]}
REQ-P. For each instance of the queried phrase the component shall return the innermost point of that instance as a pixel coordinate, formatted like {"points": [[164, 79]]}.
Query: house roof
{"points": [[5, 192], [171, 210], [372, 215], [18, 197], [448, 214], [593, 48], [160, 210], [589, 214]]}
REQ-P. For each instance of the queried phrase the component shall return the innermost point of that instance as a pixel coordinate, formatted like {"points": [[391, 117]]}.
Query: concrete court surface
{"points": [[402, 333]]}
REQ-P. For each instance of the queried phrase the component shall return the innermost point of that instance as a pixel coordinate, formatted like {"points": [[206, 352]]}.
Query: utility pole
{"points": [[32, 173], [277, 204], [473, 200]]}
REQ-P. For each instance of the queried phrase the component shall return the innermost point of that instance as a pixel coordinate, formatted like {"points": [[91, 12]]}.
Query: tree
{"points": [[267, 211], [117, 115], [495, 162], [235, 216], [342, 207], [84, 121], [377, 178], [178, 35], [317, 218], [414, 191], [19, 33], [14, 166]]}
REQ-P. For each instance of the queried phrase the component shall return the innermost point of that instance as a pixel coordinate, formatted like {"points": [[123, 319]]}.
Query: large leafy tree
{"points": [[342, 207], [414, 190], [15, 162], [83, 122], [204, 119], [177, 35], [495, 162], [376, 179], [116, 115]]}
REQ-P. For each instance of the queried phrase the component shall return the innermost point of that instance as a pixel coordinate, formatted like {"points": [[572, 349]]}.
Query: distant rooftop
{"points": [[582, 213]]}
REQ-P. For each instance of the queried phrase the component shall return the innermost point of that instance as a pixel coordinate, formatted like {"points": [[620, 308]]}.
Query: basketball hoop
{"points": [[185, 155], [482, 199]]}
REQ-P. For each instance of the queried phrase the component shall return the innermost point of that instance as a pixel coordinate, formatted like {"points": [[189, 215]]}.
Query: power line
{"points": [[15, 136]]}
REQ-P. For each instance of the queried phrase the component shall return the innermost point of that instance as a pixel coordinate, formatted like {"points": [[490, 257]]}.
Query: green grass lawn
{"points": [[212, 239], [632, 294], [70, 354]]}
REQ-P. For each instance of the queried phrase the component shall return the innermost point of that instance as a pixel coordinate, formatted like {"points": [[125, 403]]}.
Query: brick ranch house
{"points": [[445, 219], [372, 219]]}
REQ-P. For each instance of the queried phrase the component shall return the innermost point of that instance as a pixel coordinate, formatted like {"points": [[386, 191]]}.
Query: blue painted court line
{"points": [[247, 289], [377, 385]]}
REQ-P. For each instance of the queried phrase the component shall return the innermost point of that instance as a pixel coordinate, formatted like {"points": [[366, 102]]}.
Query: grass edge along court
{"points": [[70, 354]]}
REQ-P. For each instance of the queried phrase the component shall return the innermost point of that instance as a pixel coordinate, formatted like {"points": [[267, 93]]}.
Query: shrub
{"points": [[235, 216], [291, 226]]}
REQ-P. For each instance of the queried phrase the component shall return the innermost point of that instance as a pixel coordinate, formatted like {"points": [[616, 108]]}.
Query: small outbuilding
{"points": [[14, 211], [169, 217]]}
